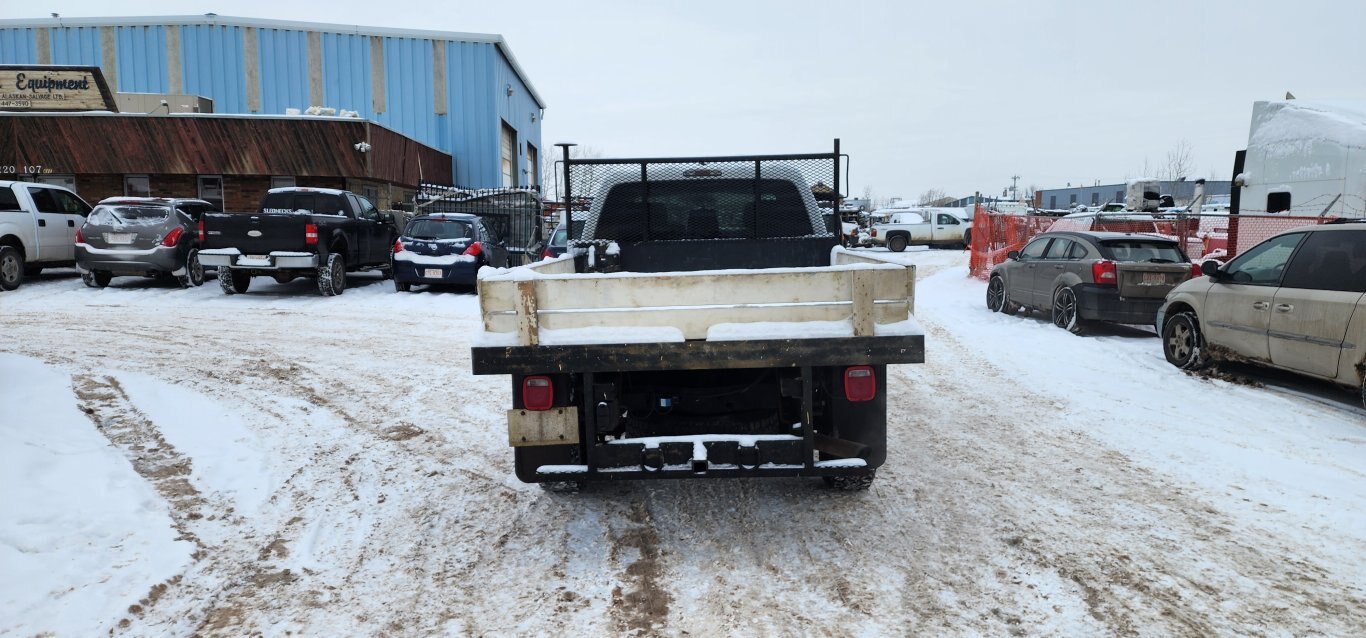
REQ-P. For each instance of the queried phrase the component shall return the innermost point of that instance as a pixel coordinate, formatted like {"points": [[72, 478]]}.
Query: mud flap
{"points": [[556, 426]]}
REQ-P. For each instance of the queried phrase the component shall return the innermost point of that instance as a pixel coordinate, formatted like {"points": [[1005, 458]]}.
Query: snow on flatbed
{"points": [[1036, 483]]}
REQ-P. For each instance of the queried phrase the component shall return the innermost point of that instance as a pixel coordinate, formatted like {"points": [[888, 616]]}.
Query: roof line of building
{"points": [[210, 19], [221, 116]]}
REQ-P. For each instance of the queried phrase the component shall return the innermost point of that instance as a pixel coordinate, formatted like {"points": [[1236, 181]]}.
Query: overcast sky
{"points": [[956, 95]]}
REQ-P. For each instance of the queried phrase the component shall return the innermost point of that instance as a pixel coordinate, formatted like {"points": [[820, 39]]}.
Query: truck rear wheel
{"points": [[851, 483], [896, 244], [332, 276], [233, 282]]}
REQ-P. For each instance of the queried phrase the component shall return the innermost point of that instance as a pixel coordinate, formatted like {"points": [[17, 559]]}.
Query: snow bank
{"points": [[82, 536]]}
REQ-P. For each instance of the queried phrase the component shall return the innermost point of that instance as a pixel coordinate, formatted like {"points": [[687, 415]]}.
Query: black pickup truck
{"points": [[298, 232]]}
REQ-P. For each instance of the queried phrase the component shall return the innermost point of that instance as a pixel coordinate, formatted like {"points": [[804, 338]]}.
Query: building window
{"points": [[1119, 196], [533, 164], [65, 181], [1277, 202], [1053, 202], [370, 193], [509, 153], [282, 182], [211, 190], [1074, 200], [137, 186], [1095, 198]]}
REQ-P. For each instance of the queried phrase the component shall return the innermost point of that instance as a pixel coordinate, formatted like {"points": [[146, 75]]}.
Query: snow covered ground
{"points": [[176, 462]]}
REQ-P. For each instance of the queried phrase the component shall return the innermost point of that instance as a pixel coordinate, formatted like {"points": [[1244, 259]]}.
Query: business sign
{"points": [[54, 88]]}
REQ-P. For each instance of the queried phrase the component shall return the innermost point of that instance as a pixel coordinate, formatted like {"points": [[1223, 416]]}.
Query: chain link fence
{"points": [[1219, 236]]}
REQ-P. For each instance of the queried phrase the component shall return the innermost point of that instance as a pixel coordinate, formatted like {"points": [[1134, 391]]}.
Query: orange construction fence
{"points": [[1205, 236]]}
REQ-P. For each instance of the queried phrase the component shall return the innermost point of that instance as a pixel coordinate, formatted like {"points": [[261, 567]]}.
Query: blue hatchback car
{"points": [[445, 249]]}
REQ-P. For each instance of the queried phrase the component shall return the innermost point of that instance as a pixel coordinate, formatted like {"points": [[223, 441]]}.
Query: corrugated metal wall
{"points": [[76, 45], [346, 73], [142, 60], [246, 69], [19, 45], [213, 65], [284, 70]]}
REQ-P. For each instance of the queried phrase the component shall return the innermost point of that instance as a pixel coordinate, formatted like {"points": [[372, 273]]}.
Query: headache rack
{"points": [[700, 213]]}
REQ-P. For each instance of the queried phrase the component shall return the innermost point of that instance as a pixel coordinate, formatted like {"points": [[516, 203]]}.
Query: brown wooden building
{"points": [[231, 160]]}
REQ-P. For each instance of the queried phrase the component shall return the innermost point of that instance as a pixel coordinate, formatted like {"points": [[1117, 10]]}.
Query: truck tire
{"points": [[194, 273], [332, 276], [11, 268], [232, 281], [967, 239], [851, 483], [896, 243]]}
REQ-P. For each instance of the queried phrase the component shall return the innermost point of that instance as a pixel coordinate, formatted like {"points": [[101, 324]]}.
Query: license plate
{"points": [[258, 257], [432, 273], [1154, 278], [119, 238]]}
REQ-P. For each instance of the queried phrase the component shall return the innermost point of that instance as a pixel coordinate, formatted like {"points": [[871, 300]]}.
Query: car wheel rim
{"points": [[1179, 342], [338, 275], [995, 292], [9, 268], [1064, 308]]}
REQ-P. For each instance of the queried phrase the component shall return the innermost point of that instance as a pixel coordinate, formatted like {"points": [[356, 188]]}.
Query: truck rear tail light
{"points": [[1104, 272], [548, 254], [398, 246], [538, 393], [311, 234], [474, 250], [1195, 270], [80, 236], [201, 230], [172, 238], [872, 232], [860, 384]]}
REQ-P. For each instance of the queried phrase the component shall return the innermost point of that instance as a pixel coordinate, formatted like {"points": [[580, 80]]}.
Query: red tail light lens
{"points": [[860, 384], [1195, 271], [872, 232], [172, 238], [80, 236], [201, 230], [538, 393], [398, 246], [1104, 273], [548, 254], [474, 250], [311, 234]]}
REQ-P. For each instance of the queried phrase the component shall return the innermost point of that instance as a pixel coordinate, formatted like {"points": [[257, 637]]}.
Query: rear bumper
{"points": [[231, 258], [1103, 303], [161, 259], [463, 273]]}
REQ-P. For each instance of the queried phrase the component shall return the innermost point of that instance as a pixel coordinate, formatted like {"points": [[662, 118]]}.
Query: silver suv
{"points": [[1294, 302]]}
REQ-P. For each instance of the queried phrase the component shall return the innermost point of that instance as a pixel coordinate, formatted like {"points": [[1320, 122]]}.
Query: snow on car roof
{"points": [[307, 189]]}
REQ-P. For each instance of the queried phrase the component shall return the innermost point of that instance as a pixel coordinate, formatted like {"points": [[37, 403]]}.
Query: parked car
{"points": [[141, 236], [559, 239], [38, 225], [1089, 276], [1293, 302], [933, 227], [445, 248]]}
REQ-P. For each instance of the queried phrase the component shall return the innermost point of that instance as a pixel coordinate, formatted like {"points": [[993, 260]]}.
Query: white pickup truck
{"points": [[706, 325], [934, 227], [38, 224]]}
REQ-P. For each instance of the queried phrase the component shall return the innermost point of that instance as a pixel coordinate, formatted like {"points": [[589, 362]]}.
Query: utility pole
{"points": [[1014, 181]]}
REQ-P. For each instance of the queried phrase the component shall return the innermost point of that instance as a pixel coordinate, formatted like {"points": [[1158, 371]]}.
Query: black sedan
{"points": [[445, 249], [1082, 276]]}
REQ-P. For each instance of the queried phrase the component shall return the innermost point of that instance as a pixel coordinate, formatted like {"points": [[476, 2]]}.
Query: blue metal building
{"points": [[462, 93], [1099, 195]]}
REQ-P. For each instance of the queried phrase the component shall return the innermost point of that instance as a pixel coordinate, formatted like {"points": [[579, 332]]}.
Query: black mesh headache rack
{"points": [[514, 214], [696, 213]]}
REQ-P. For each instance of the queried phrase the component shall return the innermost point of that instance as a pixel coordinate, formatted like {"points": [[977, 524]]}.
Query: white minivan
{"points": [[38, 224]]}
